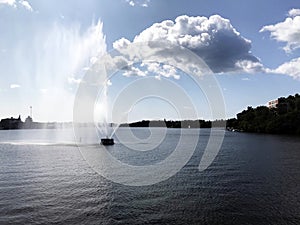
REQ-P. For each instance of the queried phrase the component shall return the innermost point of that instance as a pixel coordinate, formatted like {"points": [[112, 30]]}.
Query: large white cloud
{"points": [[214, 39], [287, 31], [291, 68]]}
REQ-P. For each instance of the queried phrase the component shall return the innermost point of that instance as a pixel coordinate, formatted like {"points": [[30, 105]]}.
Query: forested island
{"points": [[282, 118]]}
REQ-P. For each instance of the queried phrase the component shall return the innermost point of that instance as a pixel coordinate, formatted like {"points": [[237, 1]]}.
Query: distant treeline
{"points": [[176, 124], [282, 119]]}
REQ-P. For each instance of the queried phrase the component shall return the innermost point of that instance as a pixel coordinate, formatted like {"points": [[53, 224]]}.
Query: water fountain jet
{"points": [[105, 128]]}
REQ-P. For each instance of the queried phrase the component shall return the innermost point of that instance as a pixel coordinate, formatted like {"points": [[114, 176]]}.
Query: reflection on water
{"points": [[255, 179]]}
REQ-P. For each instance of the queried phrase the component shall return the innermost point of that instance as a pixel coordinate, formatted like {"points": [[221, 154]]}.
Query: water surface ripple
{"points": [[255, 179]]}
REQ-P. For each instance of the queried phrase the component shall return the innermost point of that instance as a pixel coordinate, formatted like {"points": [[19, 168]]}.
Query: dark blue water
{"points": [[255, 179]]}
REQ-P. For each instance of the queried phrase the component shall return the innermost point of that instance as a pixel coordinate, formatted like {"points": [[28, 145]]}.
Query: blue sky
{"points": [[46, 46]]}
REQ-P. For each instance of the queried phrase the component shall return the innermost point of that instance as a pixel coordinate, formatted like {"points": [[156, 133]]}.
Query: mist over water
{"points": [[105, 128]]}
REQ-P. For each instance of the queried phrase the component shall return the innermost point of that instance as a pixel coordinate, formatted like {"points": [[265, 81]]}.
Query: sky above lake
{"points": [[47, 46]]}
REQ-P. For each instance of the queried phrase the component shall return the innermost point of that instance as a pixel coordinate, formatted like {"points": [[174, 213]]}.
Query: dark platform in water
{"points": [[107, 141]]}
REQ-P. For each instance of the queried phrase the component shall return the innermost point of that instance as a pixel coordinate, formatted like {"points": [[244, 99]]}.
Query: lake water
{"points": [[255, 179]]}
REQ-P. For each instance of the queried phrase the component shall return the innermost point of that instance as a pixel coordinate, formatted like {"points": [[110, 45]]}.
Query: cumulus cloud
{"points": [[160, 70], [291, 68], [154, 58], [294, 12], [16, 4], [8, 2], [142, 3], [249, 66], [153, 68], [134, 71], [26, 5], [13, 86], [214, 39], [287, 31], [131, 3], [121, 43]]}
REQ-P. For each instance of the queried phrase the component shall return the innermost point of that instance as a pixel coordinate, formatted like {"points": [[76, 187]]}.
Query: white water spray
{"points": [[102, 119], [50, 74]]}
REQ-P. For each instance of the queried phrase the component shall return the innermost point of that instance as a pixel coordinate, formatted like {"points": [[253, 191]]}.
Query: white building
{"points": [[273, 104]]}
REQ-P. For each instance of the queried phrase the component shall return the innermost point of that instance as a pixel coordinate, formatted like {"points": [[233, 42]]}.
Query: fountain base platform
{"points": [[107, 141]]}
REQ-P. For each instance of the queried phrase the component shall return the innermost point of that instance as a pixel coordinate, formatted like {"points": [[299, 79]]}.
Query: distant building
{"points": [[11, 123], [28, 123], [273, 104]]}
